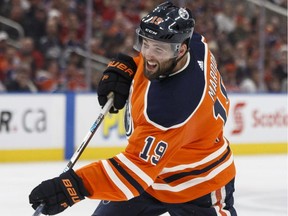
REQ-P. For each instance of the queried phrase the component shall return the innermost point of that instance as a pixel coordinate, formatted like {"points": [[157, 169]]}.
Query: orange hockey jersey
{"points": [[176, 150]]}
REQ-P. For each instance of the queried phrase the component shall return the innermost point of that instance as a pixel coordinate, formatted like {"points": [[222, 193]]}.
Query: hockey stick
{"points": [[83, 145]]}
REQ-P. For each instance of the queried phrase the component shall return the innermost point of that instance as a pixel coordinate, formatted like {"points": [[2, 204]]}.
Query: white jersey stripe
{"points": [[219, 205], [193, 165], [116, 180], [223, 196], [135, 169], [194, 181], [214, 202]]}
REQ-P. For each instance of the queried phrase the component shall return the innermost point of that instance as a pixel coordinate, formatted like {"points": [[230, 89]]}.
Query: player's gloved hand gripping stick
{"points": [[75, 189], [117, 78]]}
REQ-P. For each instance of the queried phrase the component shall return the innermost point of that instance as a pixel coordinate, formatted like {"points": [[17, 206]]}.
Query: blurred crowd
{"points": [[46, 59]]}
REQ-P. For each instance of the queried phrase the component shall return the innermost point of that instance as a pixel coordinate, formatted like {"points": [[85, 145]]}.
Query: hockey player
{"points": [[177, 159]]}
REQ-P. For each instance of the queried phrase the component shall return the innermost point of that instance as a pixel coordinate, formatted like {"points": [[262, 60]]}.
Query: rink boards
{"points": [[35, 127]]}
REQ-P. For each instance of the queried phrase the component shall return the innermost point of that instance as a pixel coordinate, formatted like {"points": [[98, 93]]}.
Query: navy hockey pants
{"points": [[219, 202]]}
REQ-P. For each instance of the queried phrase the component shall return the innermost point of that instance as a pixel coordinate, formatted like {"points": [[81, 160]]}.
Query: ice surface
{"points": [[261, 186]]}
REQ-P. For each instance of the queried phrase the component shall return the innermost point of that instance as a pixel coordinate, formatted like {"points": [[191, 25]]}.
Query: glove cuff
{"points": [[73, 187]]}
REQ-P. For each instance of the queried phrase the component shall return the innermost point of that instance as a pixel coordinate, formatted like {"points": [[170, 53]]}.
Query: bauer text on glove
{"points": [[117, 78]]}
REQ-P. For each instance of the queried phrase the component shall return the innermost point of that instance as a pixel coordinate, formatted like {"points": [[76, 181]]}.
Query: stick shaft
{"points": [[89, 135], [83, 145]]}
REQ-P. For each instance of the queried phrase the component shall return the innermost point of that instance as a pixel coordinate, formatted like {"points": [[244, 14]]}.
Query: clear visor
{"points": [[159, 49]]}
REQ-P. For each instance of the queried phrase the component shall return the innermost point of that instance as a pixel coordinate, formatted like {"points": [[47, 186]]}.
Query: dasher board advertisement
{"points": [[32, 121]]}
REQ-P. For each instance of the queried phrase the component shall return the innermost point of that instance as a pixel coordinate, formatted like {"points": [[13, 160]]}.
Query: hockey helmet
{"points": [[166, 23]]}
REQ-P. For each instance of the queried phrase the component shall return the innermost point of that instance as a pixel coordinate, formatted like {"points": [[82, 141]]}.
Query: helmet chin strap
{"points": [[172, 67]]}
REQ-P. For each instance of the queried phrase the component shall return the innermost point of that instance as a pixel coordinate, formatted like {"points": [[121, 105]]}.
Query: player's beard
{"points": [[159, 70]]}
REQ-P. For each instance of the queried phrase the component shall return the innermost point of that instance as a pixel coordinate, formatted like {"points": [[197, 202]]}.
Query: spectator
{"points": [[21, 81], [3, 62], [72, 31], [75, 78], [35, 18], [279, 70], [247, 82], [2, 87], [11, 63], [96, 46], [3, 48], [30, 55], [224, 19], [15, 12], [50, 44], [49, 80]]}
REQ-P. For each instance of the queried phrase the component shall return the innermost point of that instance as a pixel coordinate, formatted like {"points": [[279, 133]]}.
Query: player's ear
{"points": [[182, 50]]}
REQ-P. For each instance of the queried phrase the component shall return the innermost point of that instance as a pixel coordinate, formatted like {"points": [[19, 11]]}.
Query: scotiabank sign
{"points": [[257, 119], [276, 119]]}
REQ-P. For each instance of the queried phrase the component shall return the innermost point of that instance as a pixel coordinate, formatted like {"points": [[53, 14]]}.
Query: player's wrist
{"points": [[72, 186]]}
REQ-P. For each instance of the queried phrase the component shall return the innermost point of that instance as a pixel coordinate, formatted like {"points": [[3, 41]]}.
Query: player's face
{"points": [[158, 58]]}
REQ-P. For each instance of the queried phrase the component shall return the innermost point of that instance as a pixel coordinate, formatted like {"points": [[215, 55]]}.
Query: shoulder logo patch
{"points": [[201, 65]]}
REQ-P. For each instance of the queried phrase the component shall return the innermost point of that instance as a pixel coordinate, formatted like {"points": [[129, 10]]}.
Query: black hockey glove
{"points": [[58, 193], [117, 78]]}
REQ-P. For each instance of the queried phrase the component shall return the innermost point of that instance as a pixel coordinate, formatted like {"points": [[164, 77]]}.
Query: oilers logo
{"points": [[183, 14], [128, 120]]}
